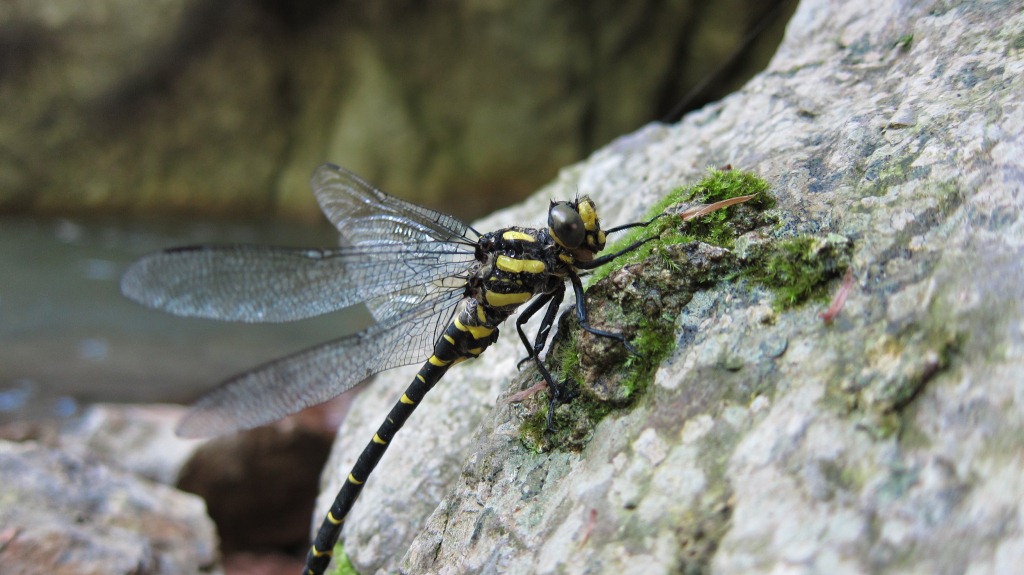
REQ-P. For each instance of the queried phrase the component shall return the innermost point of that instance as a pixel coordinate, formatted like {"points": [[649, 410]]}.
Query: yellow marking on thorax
{"points": [[477, 331], [515, 266], [496, 299], [514, 235], [566, 258]]}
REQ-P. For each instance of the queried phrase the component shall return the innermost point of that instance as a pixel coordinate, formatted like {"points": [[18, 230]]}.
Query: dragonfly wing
{"points": [[273, 390], [267, 284], [365, 215], [239, 283], [389, 247]]}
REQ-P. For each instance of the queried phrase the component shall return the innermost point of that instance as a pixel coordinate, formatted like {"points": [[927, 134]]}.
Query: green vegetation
{"points": [[798, 269], [641, 294], [341, 565], [604, 374], [718, 228]]}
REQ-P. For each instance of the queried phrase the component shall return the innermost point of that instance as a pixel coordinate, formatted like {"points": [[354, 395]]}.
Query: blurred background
{"points": [[128, 127]]}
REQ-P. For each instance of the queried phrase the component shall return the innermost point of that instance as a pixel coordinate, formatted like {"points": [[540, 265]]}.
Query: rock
{"points": [[258, 485], [136, 438], [887, 441], [61, 514], [225, 107]]}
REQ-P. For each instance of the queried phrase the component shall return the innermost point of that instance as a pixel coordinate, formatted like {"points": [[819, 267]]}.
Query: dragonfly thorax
{"points": [[516, 264]]}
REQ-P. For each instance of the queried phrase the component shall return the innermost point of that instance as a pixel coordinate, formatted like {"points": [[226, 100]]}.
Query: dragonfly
{"points": [[437, 289]]}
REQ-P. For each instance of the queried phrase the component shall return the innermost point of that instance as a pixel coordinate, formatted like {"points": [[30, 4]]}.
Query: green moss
{"points": [[341, 565], [654, 341], [799, 269], [721, 227], [904, 42], [608, 378], [573, 422], [568, 357], [534, 427], [718, 228]]}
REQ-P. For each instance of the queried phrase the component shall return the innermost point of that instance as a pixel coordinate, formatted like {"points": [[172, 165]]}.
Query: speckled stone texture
{"points": [[889, 441], [66, 515]]}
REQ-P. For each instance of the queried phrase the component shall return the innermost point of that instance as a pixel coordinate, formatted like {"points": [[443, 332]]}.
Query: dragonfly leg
{"points": [[598, 262], [581, 317], [558, 392], [552, 299]]}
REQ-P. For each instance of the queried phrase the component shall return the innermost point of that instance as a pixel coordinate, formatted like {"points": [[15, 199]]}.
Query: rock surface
{"points": [[139, 439], [887, 441], [224, 107], [64, 515], [258, 486]]}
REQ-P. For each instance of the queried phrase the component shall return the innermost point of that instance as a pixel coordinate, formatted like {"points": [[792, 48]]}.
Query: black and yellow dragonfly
{"points": [[437, 289]]}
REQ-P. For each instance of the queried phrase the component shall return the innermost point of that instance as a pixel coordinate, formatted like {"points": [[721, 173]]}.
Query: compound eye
{"points": [[566, 225]]}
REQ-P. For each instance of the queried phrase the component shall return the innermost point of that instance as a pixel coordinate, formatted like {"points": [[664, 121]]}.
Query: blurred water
{"points": [[67, 336]]}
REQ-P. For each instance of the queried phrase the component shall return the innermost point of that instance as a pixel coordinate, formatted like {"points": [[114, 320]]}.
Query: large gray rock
{"points": [[205, 105], [64, 515], [888, 441]]}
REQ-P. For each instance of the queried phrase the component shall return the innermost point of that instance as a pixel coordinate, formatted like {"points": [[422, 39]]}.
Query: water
{"points": [[68, 337]]}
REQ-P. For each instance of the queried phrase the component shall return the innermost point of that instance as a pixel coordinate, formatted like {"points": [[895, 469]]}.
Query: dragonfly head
{"points": [[575, 227]]}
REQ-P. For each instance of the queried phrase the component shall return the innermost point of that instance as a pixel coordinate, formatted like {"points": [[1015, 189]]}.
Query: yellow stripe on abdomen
{"points": [[438, 362], [319, 553], [478, 331]]}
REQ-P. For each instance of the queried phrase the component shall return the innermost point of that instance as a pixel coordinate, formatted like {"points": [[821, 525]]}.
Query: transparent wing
{"points": [[407, 263], [267, 284], [389, 246], [366, 216], [310, 377]]}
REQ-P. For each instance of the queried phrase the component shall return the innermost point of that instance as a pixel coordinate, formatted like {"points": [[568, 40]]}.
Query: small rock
{"points": [[62, 514]]}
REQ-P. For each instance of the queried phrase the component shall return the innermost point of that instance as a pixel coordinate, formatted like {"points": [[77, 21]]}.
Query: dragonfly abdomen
{"points": [[466, 337]]}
